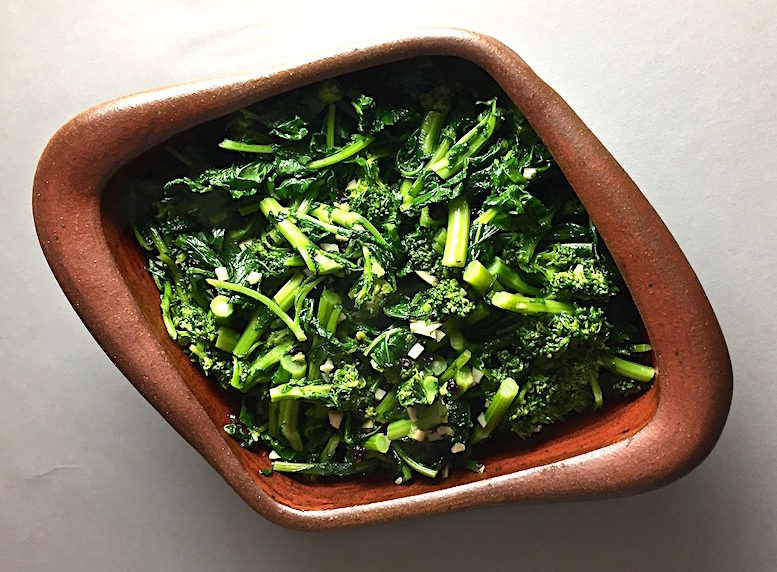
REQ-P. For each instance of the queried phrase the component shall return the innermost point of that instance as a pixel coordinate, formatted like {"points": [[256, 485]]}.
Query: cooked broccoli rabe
{"points": [[390, 269]]}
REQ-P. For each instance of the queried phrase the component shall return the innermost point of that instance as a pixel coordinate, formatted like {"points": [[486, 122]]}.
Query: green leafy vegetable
{"points": [[390, 269]]}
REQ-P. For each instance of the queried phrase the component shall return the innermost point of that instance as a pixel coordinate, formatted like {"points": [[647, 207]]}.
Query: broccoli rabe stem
{"points": [[626, 368], [288, 392], [457, 364], [262, 299], [157, 239], [596, 389], [404, 191], [180, 287], [414, 187], [141, 239], [510, 278], [496, 410], [359, 143], [399, 429], [167, 295], [469, 144], [330, 448], [296, 368], [476, 275], [262, 317], [288, 413], [405, 473], [430, 131], [327, 302], [231, 145], [330, 126], [378, 442], [418, 467], [524, 305], [273, 419], [237, 369], [315, 259], [221, 307], [455, 338], [266, 361], [226, 339], [457, 237], [328, 468], [464, 380], [347, 219], [388, 406], [330, 307]]}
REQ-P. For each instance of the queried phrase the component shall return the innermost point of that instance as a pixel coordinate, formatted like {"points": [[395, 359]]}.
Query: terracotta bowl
{"points": [[625, 449]]}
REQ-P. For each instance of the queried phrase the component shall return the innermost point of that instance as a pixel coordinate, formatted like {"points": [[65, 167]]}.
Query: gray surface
{"points": [[92, 478]]}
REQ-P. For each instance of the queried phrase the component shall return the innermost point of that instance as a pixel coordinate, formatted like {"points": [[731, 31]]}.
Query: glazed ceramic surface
{"points": [[81, 218]]}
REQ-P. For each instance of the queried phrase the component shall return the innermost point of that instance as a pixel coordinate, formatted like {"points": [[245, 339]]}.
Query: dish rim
{"points": [[694, 370]]}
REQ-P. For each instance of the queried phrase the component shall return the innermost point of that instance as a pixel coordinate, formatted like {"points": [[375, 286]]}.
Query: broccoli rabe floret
{"points": [[194, 322], [370, 291], [347, 390], [272, 260], [584, 280], [572, 270], [417, 388], [585, 326], [372, 199], [548, 397], [421, 254], [446, 299]]}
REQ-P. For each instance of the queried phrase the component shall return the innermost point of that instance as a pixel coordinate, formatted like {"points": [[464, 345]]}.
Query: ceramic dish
{"points": [[80, 215]]}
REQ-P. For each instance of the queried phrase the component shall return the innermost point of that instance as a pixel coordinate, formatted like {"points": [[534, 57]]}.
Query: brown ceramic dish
{"points": [[629, 448]]}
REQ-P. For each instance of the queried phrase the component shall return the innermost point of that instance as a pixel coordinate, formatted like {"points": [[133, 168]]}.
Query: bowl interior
{"points": [[580, 434]]}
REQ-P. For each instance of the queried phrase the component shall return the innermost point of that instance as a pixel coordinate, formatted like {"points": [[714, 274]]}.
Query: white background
{"points": [[684, 94]]}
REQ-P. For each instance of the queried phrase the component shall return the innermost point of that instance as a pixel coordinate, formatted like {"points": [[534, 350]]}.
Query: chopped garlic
{"points": [[274, 455], [380, 394], [253, 277], [415, 351], [445, 471], [434, 437], [398, 481], [222, 274], [368, 424], [425, 329], [482, 419], [439, 335], [327, 366], [529, 172], [477, 375], [329, 247], [418, 435], [411, 413], [458, 448], [335, 418], [445, 430], [426, 277]]}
